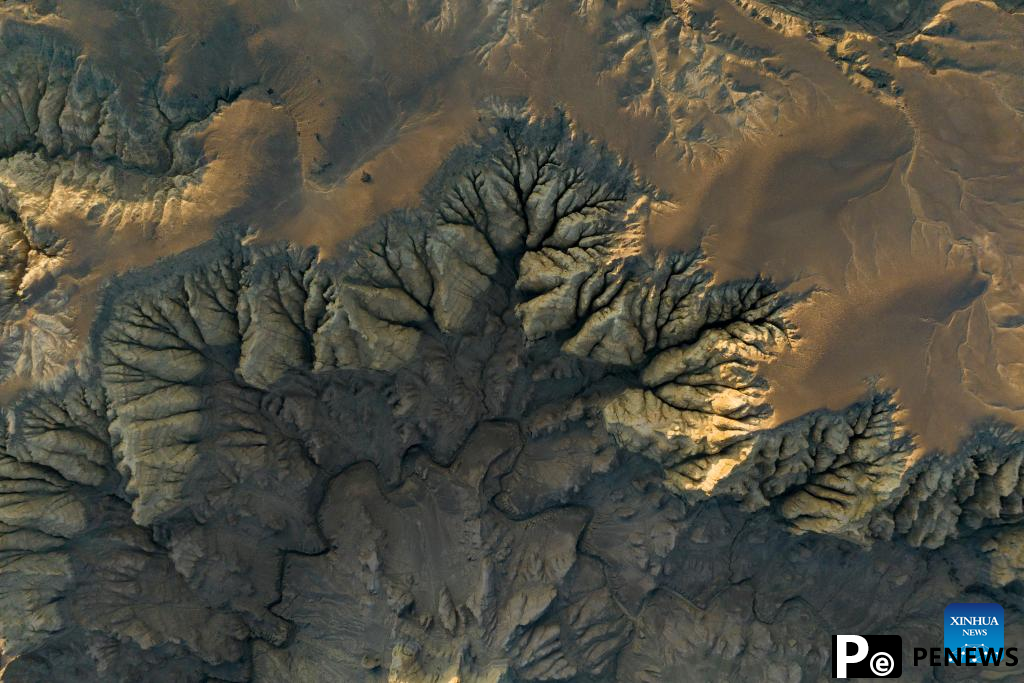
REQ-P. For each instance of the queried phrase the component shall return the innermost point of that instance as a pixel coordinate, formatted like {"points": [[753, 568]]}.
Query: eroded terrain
{"points": [[544, 341]]}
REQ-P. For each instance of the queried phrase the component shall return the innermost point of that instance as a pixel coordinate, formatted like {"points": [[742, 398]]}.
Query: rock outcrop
{"points": [[501, 438]]}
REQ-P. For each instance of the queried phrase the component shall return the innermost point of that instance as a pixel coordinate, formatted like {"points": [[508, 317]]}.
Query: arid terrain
{"points": [[459, 341]]}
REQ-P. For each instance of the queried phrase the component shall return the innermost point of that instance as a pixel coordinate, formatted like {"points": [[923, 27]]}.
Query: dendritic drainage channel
{"points": [[501, 439]]}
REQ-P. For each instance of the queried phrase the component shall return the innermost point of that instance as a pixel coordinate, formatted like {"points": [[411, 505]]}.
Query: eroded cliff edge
{"points": [[501, 439]]}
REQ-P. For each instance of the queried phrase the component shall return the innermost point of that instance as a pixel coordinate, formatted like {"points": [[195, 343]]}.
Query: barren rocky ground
{"points": [[577, 340]]}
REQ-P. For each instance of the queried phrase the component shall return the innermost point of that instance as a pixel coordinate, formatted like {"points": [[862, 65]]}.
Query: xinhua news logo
{"points": [[976, 629], [867, 656]]}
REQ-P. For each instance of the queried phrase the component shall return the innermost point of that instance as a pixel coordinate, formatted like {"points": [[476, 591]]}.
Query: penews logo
{"points": [[975, 629], [867, 656]]}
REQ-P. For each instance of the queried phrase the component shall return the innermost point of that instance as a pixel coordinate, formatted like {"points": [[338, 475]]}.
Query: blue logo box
{"points": [[973, 624]]}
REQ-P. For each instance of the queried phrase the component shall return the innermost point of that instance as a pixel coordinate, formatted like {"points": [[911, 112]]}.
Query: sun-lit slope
{"points": [[666, 320], [129, 135], [501, 436], [807, 141]]}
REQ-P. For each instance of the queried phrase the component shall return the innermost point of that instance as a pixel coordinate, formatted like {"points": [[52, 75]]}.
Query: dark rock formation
{"points": [[500, 439]]}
